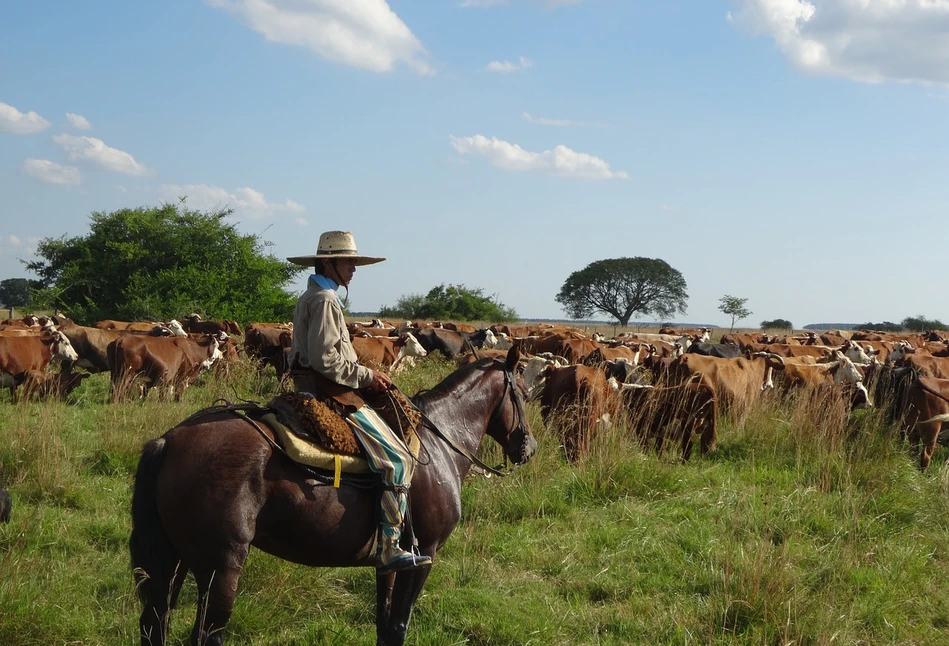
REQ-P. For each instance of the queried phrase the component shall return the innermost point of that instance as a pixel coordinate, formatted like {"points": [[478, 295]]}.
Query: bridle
{"points": [[510, 387], [520, 417]]}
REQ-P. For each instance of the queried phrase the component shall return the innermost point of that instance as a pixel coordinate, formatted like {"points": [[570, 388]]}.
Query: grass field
{"points": [[801, 528]]}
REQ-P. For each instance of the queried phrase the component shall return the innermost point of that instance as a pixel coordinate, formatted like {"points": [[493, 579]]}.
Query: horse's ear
{"points": [[513, 355]]}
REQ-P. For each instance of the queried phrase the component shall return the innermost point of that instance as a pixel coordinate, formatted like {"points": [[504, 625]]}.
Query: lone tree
{"points": [[734, 307], [159, 263], [450, 303], [622, 286]]}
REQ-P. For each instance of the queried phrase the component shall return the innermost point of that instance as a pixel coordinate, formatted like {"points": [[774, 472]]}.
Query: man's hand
{"points": [[380, 382]]}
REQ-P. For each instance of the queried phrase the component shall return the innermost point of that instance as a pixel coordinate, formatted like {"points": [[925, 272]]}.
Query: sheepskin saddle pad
{"points": [[318, 432]]}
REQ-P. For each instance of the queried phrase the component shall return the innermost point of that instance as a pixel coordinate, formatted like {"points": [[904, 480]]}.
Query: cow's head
{"points": [[490, 340], [853, 352], [849, 377], [411, 346], [61, 347], [214, 342], [535, 375], [176, 328]]}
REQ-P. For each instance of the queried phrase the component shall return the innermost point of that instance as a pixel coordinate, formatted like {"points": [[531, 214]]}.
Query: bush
{"points": [[450, 303]]}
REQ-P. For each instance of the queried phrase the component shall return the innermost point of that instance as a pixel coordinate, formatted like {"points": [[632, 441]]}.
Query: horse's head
{"points": [[508, 425]]}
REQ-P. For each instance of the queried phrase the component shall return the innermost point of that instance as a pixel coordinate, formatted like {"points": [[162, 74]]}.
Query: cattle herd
{"points": [[675, 384]]}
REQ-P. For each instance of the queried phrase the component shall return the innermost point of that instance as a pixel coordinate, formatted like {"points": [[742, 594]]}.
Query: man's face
{"points": [[345, 267]]}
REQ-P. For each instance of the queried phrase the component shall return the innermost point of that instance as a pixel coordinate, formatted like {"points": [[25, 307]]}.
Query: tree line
{"points": [[164, 262]]}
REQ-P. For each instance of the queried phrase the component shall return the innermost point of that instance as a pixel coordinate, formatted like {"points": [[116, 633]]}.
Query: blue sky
{"points": [[790, 152]]}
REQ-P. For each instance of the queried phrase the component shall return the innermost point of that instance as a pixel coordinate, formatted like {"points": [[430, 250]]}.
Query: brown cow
{"points": [[21, 354], [91, 345], [837, 377], [194, 325], [270, 344], [785, 350], [926, 411], [571, 348], [577, 400], [736, 382], [172, 362], [387, 353], [743, 340], [688, 409], [927, 365]]}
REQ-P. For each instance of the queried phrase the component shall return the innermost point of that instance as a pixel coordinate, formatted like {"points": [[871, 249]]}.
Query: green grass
{"points": [[795, 530]]}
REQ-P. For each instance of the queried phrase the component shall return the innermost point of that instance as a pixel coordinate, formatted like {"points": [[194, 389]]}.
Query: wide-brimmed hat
{"points": [[335, 244]]}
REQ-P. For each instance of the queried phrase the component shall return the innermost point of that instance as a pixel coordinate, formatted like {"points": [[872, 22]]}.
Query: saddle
{"points": [[316, 433]]}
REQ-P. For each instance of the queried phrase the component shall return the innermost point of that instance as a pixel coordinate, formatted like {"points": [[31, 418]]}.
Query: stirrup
{"points": [[403, 560]]}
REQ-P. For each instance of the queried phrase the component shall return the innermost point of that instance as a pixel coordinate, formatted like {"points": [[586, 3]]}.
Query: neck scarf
{"points": [[326, 283]]}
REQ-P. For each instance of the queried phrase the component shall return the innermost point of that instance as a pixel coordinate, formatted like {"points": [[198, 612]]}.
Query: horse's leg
{"points": [[384, 585], [408, 586], [217, 590]]}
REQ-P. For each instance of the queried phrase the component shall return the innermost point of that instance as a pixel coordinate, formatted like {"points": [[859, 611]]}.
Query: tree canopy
{"points": [[160, 263], [920, 323], [734, 307], [621, 287], [15, 292], [776, 324], [450, 303]]}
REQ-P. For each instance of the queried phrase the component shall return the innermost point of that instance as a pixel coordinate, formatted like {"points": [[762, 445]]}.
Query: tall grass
{"points": [[806, 526]]}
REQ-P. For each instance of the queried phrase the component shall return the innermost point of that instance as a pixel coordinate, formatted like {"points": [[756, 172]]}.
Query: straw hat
{"points": [[335, 244]]}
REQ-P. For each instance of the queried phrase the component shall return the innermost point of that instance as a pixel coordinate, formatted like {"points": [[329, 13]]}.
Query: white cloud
{"points": [[560, 161], [51, 172], [547, 122], [10, 244], [246, 202], [78, 121], [864, 40], [362, 33], [507, 67], [94, 151], [302, 222], [12, 120]]}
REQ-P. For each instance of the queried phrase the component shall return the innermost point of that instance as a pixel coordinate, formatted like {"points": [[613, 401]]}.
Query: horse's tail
{"points": [[154, 558]]}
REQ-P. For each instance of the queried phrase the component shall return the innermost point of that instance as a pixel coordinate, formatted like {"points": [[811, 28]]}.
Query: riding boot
{"points": [[391, 556]]}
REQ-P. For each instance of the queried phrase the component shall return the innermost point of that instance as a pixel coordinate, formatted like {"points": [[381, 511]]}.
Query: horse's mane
{"points": [[426, 396]]}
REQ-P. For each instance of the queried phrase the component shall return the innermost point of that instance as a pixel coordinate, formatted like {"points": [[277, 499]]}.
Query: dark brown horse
{"points": [[210, 488]]}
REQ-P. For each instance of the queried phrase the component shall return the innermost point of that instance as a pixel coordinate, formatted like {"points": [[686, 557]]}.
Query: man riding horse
{"points": [[324, 363]]}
